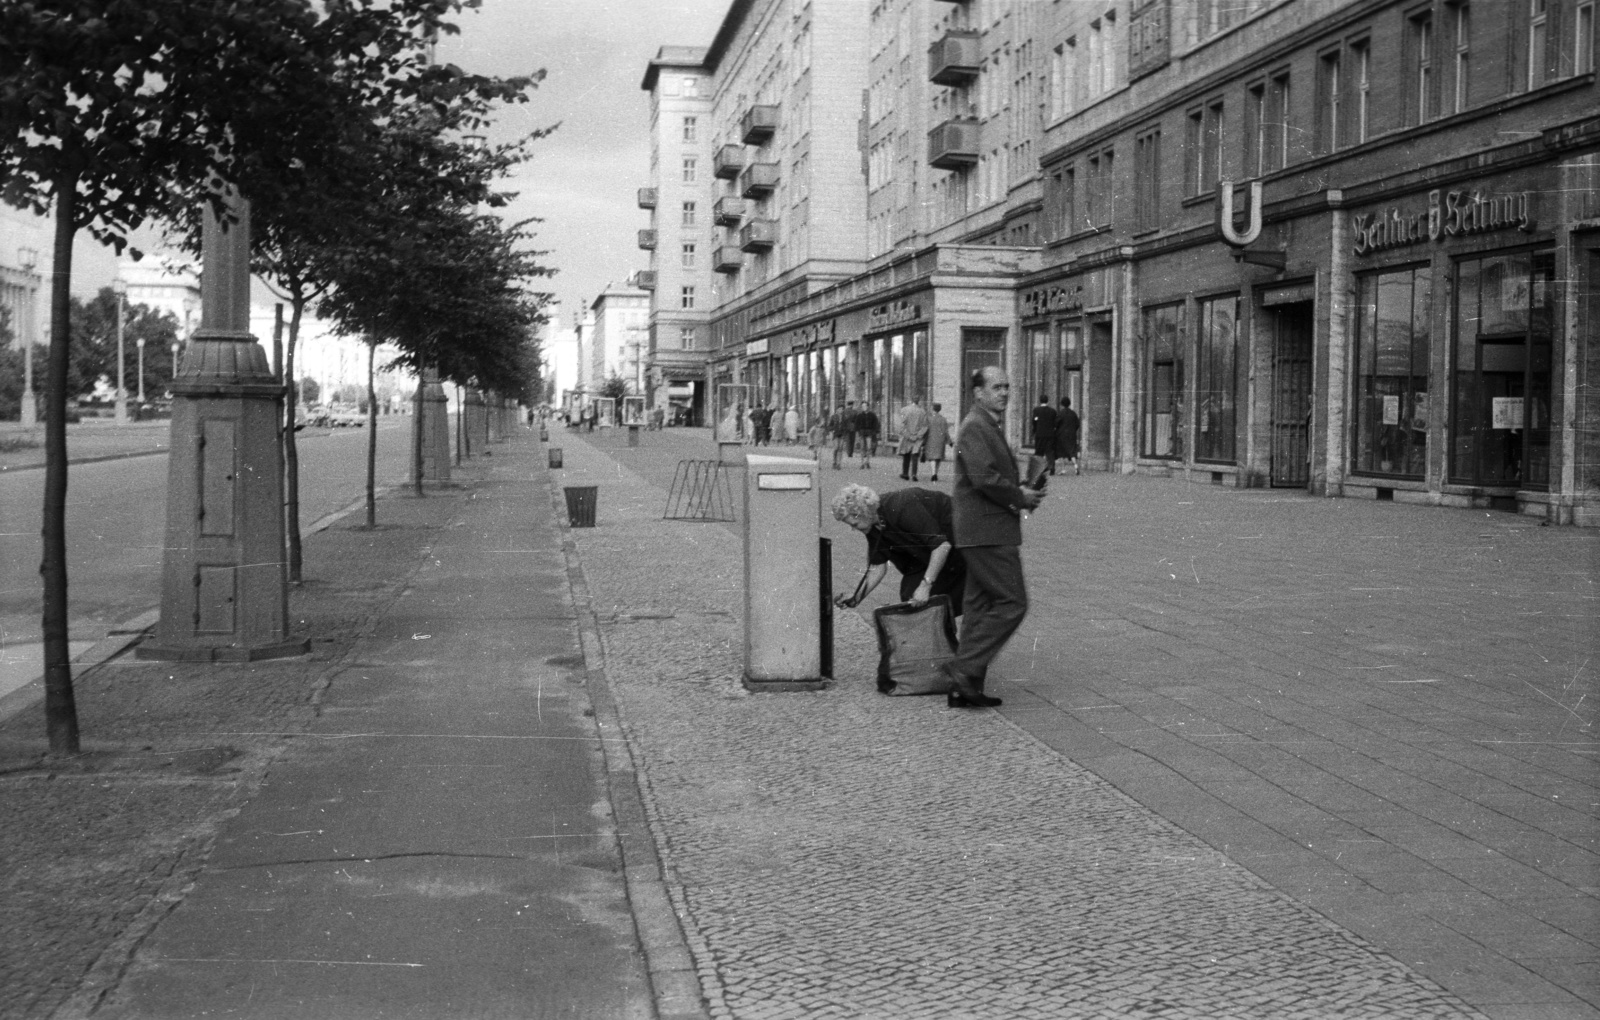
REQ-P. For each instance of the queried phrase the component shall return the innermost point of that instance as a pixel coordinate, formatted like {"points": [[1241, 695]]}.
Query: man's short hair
{"points": [[938, 406]]}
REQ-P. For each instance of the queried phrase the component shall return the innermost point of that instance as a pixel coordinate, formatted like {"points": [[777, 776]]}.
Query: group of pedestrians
{"points": [[1055, 433]]}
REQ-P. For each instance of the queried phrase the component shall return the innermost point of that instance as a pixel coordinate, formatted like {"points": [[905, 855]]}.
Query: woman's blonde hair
{"points": [[855, 503]]}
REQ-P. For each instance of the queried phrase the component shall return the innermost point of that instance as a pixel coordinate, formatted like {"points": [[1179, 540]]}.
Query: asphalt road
{"points": [[116, 516]]}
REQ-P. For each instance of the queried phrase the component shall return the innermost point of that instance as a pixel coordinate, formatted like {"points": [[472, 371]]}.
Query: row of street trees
{"points": [[368, 194]]}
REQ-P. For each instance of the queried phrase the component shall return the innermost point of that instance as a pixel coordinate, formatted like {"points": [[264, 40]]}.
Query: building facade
{"points": [[1343, 245]]}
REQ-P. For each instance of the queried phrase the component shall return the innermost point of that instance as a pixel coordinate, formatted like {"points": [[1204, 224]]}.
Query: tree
{"points": [[310, 390], [93, 356], [116, 111], [614, 387]]}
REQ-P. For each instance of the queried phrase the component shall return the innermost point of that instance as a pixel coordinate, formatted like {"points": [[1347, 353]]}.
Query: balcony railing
{"points": [[645, 279], [726, 259], [647, 198], [647, 240], [758, 235], [758, 124], [728, 161], [759, 180], [728, 211], [953, 145], [954, 59]]}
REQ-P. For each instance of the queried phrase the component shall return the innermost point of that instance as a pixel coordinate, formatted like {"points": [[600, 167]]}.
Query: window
{"points": [[1583, 38], [1161, 422], [1255, 129], [1102, 56], [687, 298], [1203, 149], [1461, 88], [1391, 357], [1500, 418], [1059, 212], [691, 86], [1216, 380], [1267, 126], [686, 338], [689, 166], [688, 255], [689, 129], [1100, 190], [1147, 169], [1419, 44], [1063, 79], [1360, 72], [688, 214], [1538, 37], [1330, 89]]}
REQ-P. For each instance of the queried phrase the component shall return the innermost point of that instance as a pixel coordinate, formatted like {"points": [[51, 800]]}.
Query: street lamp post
{"points": [[120, 286], [28, 258], [174, 360], [140, 342]]}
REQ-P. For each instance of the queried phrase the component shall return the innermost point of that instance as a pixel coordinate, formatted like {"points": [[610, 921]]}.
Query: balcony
{"points": [[726, 259], [728, 211], [647, 198], [953, 145], [728, 161], [954, 59], [644, 279], [758, 235], [758, 125], [647, 240], [759, 179]]}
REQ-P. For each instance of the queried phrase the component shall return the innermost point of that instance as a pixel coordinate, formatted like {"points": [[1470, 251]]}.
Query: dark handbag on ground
{"points": [[913, 642]]}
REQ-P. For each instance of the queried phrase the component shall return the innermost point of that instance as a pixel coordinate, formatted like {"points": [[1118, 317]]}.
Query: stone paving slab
{"points": [[840, 853]]}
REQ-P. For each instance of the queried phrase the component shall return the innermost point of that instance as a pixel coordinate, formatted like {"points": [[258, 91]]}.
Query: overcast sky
{"points": [[583, 179]]}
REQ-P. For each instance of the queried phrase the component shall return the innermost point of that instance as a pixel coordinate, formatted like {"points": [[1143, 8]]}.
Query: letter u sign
{"points": [[1225, 214]]}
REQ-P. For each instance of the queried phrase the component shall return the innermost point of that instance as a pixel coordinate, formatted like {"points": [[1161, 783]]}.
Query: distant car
{"points": [[343, 417]]}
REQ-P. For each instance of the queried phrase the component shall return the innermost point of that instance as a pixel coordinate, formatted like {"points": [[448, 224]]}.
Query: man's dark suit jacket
{"points": [[1044, 426], [987, 497]]}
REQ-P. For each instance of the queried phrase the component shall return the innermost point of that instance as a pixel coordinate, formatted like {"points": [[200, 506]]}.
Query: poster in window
{"points": [[633, 410], [1506, 413], [1391, 408]]}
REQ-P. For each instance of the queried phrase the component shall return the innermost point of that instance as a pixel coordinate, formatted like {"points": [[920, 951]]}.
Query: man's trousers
{"points": [[996, 601]]}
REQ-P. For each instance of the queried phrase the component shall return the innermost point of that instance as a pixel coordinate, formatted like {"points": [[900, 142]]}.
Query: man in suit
{"points": [[1044, 432], [987, 504]]}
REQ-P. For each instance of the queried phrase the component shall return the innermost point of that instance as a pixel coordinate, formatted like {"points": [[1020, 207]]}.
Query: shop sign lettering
{"points": [[754, 347], [1056, 298], [1458, 214], [893, 314]]}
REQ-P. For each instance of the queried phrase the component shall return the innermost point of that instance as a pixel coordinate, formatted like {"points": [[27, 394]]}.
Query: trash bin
{"points": [[555, 456], [581, 500]]}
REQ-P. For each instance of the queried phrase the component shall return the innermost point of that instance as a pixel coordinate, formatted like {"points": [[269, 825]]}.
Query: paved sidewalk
{"points": [[1262, 755]]}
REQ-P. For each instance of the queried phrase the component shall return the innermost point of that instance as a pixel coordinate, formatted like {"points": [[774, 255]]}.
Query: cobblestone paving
{"points": [[844, 854]]}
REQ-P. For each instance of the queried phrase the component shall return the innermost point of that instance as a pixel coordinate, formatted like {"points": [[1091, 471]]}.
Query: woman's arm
{"points": [[935, 568], [874, 575]]}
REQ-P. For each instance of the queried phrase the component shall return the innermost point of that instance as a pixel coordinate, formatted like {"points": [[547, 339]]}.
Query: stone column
{"points": [[224, 583], [472, 421], [493, 426], [433, 422]]}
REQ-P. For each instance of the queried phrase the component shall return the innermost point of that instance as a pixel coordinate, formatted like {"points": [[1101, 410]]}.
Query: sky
{"points": [[583, 179]]}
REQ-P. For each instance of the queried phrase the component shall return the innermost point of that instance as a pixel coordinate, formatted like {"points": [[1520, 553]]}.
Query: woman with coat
{"points": [[938, 439], [913, 430]]}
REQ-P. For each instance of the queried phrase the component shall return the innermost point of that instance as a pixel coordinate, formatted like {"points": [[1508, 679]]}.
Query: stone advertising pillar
{"points": [[224, 581], [433, 422], [493, 431], [472, 415]]}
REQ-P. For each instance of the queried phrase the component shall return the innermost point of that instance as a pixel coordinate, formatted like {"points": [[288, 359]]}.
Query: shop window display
{"points": [[1216, 379], [1392, 351], [1500, 421], [1162, 421]]}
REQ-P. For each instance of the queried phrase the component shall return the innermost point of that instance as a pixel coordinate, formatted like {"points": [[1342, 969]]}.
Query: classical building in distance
{"points": [[1350, 246]]}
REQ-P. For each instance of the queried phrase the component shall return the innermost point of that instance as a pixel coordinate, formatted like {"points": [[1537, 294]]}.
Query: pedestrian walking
{"points": [[1044, 433], [933, 448], [847, 421], [913, 430], [912, 529], [816, 436], [779, 427], [1067, 423], [791, 425], [987, 504], [867, 434], [836, 431]]}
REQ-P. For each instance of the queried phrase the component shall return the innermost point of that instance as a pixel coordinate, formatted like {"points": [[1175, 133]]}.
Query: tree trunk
{"points": [[461, 420], [291, 450], [372, 439], [60, 708], [416, 437]]}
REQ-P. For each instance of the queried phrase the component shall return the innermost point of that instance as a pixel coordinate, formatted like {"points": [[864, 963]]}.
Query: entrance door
{"points": [[980, 348], [1291, 395], [1094, 410]]}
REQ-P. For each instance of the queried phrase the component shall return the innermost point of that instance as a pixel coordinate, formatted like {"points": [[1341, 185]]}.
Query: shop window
{"points": [[1392, 353], [980, 348], [1161, 341], [1033, 380], [1216, 379], [1500, 420]]}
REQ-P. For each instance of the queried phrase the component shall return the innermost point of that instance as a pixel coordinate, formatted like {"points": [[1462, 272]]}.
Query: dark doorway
{"points": [[1095, 406], [1291, 394]]}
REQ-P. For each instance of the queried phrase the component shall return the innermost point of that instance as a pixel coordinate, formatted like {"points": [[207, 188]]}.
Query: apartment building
{"points": [[1344, 245]]}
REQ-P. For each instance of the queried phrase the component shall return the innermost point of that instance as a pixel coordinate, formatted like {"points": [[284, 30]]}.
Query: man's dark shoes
{"points": [[967, 693]]}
